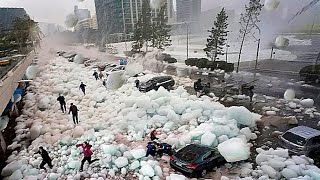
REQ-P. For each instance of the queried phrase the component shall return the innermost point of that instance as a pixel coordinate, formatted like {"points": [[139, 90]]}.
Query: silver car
{"points": [[301, 140]]}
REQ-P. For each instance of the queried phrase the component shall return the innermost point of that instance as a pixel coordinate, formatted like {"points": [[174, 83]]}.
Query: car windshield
{"points": [[187, 156], [295, 139]]}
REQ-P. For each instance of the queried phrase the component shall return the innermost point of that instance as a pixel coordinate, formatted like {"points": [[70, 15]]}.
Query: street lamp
{"points": [[227, 52], [187, 39]]}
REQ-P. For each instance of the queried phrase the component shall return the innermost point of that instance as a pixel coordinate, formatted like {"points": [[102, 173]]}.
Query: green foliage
{"points": [[160, 37], [205, 63], [217, 38], [71, 21], [137, 38]]}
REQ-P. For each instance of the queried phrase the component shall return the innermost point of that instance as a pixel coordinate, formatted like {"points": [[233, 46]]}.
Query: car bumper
{"points": [[291, 148], [187, 172]]}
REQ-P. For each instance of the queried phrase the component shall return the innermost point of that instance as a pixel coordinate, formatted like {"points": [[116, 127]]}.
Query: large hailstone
{"points": [[79, 59], [271, 5], [71, 21], [289, 95], [32, 72], [281, 42], [156, 4]]}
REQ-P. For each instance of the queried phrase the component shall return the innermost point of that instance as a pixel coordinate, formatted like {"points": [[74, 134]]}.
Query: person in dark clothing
{"points": [[74, 110], [62, 103], [45, 158], [83, 88], [250, 93], [87, 153], [137, 82], [153, 135], [104, 83], [198, 87], [151, 149], [164, 148], [206, 88], [101, 75], [95, 74]]}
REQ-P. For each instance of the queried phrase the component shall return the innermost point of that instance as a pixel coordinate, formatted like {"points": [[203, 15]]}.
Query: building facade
{"points": [[89, 23], [81, 14], [8, 16], [188, 10], [117, 18]]}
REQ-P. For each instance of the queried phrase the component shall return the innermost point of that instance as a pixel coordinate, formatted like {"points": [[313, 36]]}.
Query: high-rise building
{"points": [[115, 17], [7, 17], [188, 10], [81, 14], [89, 23]]}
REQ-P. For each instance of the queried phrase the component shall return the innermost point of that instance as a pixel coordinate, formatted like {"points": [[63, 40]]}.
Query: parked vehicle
{"points": [[4, 62], [165, 81], [196, 160], [301, 140], [60, 53], [114, 69]]}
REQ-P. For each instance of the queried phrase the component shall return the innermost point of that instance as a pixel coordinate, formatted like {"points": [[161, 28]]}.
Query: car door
{"points": [[209, 160]]}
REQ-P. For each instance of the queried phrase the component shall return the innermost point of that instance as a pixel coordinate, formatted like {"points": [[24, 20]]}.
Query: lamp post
{"points": [[227, 52], [187, 39], [124, 27]]}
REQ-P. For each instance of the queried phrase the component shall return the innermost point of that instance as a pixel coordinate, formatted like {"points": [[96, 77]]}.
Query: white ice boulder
{"points": [[289, 95], [138, 153], [115, 80], [271, 5], [271, 172], [276, 164], [79, 59], [281, 42], [74, 164], [289, 173], [3, 122], [241, 114], [31, 72], [109, 149], [121, 162], [307, 103], [147, 170], [247, 132], [35, 132], [177, 177], [134, 165], [16, 175], [53, 176], [168, 126], [78, 132], [11, 167], [234, 149], [208, 139]]}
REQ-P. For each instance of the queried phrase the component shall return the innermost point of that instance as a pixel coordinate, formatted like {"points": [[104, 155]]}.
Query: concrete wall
{"points": [[9, 83]]}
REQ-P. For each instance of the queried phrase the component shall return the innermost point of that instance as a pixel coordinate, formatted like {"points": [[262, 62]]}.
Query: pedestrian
{"points": [[206, 88], [45, 158], [151, 149], [198, 87], [87, 153], [250, 93], [83, 88], [153, 135], [101, 75], [62, 102], [104, 83], [95, 74], [137, 82], [164, 148], [74, 110]]}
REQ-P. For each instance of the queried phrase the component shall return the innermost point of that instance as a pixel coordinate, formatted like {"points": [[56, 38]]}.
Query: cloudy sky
{"points": [[56, 10]]}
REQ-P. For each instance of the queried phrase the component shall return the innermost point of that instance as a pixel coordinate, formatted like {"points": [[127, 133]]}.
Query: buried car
{"points": [[154, 83], [301, 140], [196, 160]]}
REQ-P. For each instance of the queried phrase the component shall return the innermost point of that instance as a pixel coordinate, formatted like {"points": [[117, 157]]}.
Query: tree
{"points": [[248, 22], [137, 38], [160, 34], [217, 38], [145, 22]]}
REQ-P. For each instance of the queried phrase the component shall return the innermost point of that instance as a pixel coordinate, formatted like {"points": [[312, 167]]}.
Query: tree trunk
{"points": [[146, 46], [244, 35], [257, 57]]}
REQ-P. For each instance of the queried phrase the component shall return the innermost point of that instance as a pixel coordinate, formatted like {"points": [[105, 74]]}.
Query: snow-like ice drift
{"points": [[115, 122]]}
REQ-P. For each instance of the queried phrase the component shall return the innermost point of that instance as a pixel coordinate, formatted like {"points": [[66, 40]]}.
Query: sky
{"points": [[55, 11]]}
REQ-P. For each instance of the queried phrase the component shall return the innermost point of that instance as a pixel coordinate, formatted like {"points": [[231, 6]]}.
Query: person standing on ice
{"points": [[74, 110], [87, 153], [198, 87], [153, 135], [104, 83], [62, 103], [45, 158], [137, 82], [151, 149], [95, 74], [83, 88]]}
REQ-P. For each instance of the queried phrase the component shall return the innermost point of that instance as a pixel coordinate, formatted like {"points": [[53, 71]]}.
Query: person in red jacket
{"points": [[87, 153]]}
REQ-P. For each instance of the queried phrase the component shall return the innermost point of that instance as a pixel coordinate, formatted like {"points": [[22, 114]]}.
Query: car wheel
{"points": [[203, 173], [169, 87]]}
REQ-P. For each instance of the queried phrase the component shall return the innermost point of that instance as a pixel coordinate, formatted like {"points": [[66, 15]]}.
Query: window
{"points": [[295, 139]]}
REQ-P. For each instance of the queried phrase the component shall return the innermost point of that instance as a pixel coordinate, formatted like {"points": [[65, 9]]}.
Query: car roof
{"points": [[305, 132], [161, 77], [197, 149]]}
